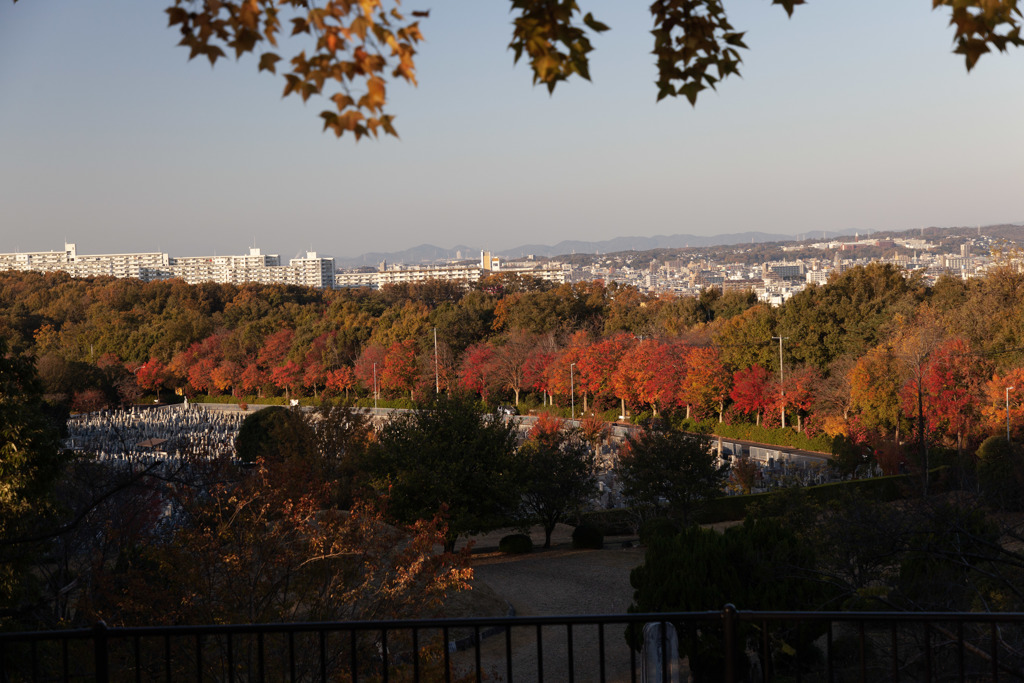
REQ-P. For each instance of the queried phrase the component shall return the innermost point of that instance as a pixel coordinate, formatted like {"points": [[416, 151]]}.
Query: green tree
{"points": [[274, 434], [557, 476], [849, 315], [342, 436], [670, 471], [761, 565], [1001, 473], [746, 339], [31, 460], [448, 455], [875, 383]]}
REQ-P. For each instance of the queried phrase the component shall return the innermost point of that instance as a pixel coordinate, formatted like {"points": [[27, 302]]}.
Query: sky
{"points": [[849, 115]]}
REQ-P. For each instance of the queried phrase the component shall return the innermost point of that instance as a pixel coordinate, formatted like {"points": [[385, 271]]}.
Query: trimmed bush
{"points": [[1001, 473], [587, 536], [882, 489], [515, 544], [657, 527], [274, 434], [617, 522], [778, 436]]}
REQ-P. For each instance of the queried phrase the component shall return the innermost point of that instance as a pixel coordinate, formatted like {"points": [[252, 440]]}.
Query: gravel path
{"points": [[559, 581]]}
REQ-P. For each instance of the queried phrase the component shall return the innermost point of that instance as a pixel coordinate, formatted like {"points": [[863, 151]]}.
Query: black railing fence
{"points": [[727, 645]]}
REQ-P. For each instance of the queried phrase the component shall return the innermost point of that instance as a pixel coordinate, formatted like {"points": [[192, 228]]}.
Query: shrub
{"points": [[657, 527], [617, 522], [274, 434], [1001, 473], [515, 544], [587, 536]]}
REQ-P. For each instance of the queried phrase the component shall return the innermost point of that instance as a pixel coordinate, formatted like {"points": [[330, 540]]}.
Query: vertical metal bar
{"points": [[828, 655], [799, 639], [476, 654], [65, 659], [765, 652], [960, 648], [540, 654], [863, 653], [729, 638], [895, 654], [261, 668], [632, 663], [927, 651], [663, 637], [447, 656], [167, 658], [352, 655], [600, 652], [33, 648], [137, 647], [384, 654], [415, 654], [323, 655], [569, 653], [199, 657], [508, 653], [291, 656], [231, 659], [995, 651], [101, 655]]}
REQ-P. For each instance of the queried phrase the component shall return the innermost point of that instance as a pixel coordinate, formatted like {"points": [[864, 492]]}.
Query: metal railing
{"points": [[727, 645]]}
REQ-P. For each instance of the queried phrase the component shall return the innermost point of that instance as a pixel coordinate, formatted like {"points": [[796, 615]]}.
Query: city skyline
{"points": [[111, 139]]}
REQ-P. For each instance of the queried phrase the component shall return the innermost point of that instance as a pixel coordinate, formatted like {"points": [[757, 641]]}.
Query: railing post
{"points": [[729, 639], [101, 655]]}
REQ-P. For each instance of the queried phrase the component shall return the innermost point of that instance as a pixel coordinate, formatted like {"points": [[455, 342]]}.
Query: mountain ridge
{"points": [[425, 253]]}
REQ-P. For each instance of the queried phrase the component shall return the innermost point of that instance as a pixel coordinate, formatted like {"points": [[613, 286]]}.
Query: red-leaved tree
{"points": [[752, 391]]}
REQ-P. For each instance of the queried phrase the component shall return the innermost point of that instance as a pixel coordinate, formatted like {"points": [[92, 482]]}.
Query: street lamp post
{"points": [[572, 390], [782, 388], [1008, 390]]}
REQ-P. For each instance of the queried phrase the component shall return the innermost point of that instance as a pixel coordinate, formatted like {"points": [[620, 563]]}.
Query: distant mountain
{"points": [[426, 253]]}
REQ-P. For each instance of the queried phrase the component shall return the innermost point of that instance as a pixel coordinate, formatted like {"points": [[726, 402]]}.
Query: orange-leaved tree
{"points": [[269, 546]]}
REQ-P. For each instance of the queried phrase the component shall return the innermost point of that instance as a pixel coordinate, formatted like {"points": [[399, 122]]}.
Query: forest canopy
{"points": [[875, 355]]}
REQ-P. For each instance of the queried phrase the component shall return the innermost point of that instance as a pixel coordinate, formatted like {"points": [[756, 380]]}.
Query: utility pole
{"points": [[1008, 390], [437, 377], [375, 386], [572, 390], [782, 389]]}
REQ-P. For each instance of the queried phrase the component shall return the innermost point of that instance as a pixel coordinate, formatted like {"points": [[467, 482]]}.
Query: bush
{"points": [[587, 536], [657, 527], [515, 544], [778, 436], [274, 434], [610, 415], [1001, 473], [617, 522]]}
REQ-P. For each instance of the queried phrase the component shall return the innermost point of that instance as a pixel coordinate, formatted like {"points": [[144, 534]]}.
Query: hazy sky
{"points": [[850, 115]]}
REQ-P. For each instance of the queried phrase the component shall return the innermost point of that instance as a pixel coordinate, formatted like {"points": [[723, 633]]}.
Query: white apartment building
{"points": [[82, 265], [310, 270], [401, 274], [462, 273]]}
